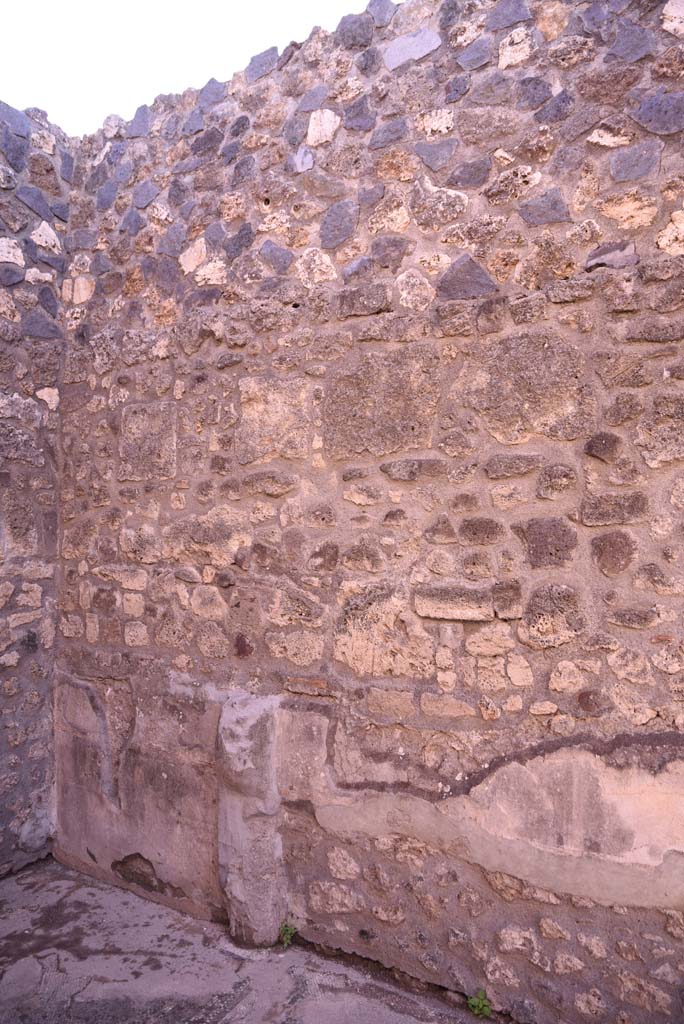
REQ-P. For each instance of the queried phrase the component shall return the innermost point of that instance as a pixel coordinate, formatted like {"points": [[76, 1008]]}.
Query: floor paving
{"points": [[77, 951]]}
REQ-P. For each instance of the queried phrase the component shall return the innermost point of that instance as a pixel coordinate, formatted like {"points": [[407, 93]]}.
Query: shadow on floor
{"points": [[77, 951]]}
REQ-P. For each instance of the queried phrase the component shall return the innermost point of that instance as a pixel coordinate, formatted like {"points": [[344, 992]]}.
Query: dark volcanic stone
{"points": [[140, 125], [66, 167], [230, 152], [532, 92], [457, 88], [48, 300], [369, 197], [476, 55], [435, 155], [212, 93], [194, 124], [17, 122], [208, 142], [389, 251], [369, 61], [245, 169], [381, 11], [35, 325], [358, 116], [35, 200], [630, 163], [614, 255], [261, 64], [661, 113], [15, 148], [106, 196], [355, 31], [239, 126], [471, 174], [632, 43], [603, 445], [144, 193], [548, 208], [173, 241], [10, 274], [239, 242], [61, 211], [508, 12], [132, 222], [277, 257], [389, 133], [339, 223], [466, 279], [313, 99], [556, 109]]}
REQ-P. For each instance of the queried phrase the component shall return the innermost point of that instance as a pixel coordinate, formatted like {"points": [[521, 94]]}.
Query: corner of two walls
{"points": [[36, 167], [370, 587]]}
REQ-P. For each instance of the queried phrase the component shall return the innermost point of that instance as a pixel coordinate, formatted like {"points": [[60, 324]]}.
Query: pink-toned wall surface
{"points": [[371, 501]]}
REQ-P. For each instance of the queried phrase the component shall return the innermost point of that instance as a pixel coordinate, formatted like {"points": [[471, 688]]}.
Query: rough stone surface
{"points": [[341, 489], [108, 939]]}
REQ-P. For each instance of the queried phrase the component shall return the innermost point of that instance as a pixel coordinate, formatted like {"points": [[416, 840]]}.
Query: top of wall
{"points": [[390, 37]]}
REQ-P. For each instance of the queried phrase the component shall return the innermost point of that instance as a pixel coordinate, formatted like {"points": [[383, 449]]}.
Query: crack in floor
{"points": [[78, 951]]}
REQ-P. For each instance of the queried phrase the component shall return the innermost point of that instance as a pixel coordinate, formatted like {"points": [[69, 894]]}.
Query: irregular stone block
{"points": [[382, 12], [435, 155], [552, 617], [374, 637], [385, 403], [274, 421], [466, 279], [606, 509], [660, 433], [147, 446], [631, 163], [414, 46], [476, 54], [355, 31], [365, 300], [615, 255], [471, 174], [529, 384], [339, 223], [548, 541], [661, 113], [454, 602], [262, 64], [548, 208], [389, 133], [507, 13]]}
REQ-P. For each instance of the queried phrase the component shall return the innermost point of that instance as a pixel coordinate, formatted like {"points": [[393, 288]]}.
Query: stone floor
{"points": [[76, 951]]}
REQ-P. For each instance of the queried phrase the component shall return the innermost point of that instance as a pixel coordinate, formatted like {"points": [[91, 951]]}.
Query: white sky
{"points": [[81, 60]]}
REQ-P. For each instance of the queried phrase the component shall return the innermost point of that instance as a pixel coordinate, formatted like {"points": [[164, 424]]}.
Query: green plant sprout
{"points": [[286, 934], [480, 1005]]}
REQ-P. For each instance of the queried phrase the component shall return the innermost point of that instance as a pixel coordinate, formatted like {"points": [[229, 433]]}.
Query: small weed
{"points": [[480, 1005], [286, 934]]}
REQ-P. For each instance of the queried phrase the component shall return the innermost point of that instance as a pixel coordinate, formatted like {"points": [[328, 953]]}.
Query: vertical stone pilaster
{"points": [[249, 843]]}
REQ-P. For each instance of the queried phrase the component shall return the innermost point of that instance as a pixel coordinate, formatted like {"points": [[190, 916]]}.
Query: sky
{"points": [[81, 61]]}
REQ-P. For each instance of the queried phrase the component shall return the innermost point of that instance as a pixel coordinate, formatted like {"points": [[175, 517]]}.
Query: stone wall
{"points": [[35, 175], [372, 499]]}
